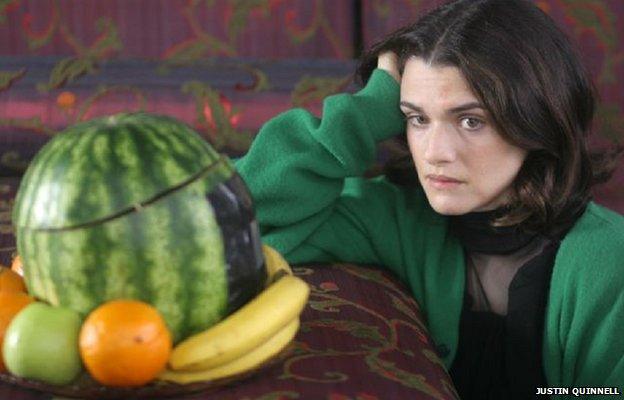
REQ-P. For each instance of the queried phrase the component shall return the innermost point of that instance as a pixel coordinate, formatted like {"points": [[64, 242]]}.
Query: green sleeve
{"points": [[304, 174]]}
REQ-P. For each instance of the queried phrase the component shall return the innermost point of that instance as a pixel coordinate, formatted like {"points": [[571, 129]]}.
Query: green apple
{"points": [[41, 343]]}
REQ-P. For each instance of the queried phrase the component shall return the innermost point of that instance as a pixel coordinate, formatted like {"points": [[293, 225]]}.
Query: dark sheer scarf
{"points": [[477, 234], [500, 354]]}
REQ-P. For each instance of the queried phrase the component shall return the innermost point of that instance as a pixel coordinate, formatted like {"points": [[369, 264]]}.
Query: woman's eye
{"points": [[416, 120], [471, 124]]}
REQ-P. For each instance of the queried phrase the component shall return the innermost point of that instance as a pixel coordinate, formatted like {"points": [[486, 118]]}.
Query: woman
{"points": [[488, 218]]}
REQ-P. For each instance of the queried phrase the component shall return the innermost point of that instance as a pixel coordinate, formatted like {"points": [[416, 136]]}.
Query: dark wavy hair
{"points": [[527, 74]]}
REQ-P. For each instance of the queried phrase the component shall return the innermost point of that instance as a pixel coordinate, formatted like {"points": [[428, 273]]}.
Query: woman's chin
{"points": [[449, 211], [446, 205], [449, 206]]}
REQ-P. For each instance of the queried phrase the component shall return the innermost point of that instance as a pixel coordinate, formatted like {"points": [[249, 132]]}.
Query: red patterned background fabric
{"points": [[227, 66]]}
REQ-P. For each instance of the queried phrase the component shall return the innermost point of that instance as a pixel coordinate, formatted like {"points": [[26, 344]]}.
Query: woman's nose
{"points": [[440, 145]]}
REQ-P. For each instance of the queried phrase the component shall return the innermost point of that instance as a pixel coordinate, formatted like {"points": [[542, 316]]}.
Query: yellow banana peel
{"points": [[274, 264], [252, 359], [246, 329]]}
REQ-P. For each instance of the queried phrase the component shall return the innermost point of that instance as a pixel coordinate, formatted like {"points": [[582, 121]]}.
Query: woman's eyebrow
{"points": [[466, 107], [454, 110], [411, 106]]}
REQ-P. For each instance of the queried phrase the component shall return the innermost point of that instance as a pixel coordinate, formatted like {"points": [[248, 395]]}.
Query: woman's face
{"points": [[463, 163]]}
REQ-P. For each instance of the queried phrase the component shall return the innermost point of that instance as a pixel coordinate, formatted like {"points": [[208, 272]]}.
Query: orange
{"points": [[11, 303], [125, 343], [17, 266], [11, 281]]}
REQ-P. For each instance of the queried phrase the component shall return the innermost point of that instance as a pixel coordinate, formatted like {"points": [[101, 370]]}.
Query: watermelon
{"points": [[138, 206]]}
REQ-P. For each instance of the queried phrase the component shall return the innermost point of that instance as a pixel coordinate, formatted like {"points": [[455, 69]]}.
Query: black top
{"points": [[500, 356]]}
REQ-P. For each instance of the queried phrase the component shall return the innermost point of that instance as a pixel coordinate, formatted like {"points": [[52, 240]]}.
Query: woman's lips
{"points": [[443, 182]]}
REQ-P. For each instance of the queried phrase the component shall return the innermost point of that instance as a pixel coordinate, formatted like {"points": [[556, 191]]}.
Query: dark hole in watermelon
{"points": [[243, 247]]}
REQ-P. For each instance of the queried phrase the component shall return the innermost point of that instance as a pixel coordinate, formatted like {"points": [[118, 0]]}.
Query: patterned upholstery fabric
{"points": [[362, 337]]}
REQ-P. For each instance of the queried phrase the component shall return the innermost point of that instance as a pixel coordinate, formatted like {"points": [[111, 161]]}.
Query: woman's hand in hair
{"points": [[388, 61]]}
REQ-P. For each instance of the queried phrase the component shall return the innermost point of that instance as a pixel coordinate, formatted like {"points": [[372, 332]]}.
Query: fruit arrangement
{"points": [[126, 343], [142, 260]]}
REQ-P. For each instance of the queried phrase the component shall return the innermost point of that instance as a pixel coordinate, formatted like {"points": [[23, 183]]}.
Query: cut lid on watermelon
{"points": [[222, 165], [98, 170]]}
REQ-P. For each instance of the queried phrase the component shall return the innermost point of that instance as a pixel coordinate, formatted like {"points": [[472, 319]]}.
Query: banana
{"points": [[246, 362], [245, 329], [275, 263]]}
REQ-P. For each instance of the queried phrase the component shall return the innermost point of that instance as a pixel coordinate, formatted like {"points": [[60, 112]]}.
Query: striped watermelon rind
{"points": [[164, 246], [98, 168]]}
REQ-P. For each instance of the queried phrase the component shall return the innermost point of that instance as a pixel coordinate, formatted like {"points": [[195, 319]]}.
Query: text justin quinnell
{"points": [[580, 391]]}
